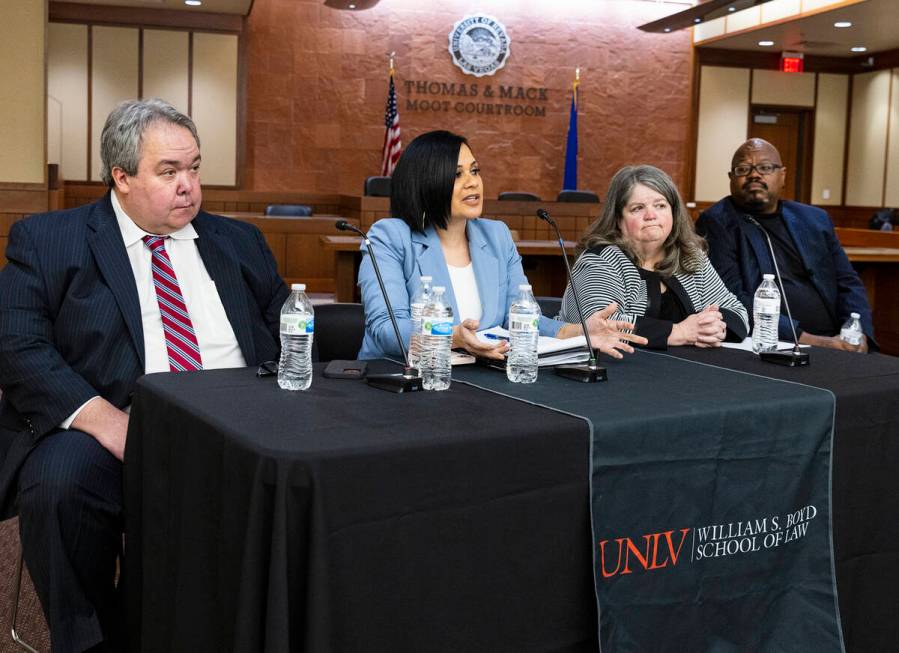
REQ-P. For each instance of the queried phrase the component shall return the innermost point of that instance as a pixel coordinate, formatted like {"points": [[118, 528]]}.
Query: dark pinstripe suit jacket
{"points": [[70, 322]]}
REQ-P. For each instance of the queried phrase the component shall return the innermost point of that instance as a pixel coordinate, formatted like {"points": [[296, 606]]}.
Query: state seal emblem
{"points": [[479, 45]]}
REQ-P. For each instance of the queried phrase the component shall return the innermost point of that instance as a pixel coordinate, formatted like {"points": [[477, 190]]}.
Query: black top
{"points": [[664, 310], [808, 307]]}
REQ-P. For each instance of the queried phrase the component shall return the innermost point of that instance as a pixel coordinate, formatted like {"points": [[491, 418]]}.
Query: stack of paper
{"points": [[550, 351], [746, 345]]}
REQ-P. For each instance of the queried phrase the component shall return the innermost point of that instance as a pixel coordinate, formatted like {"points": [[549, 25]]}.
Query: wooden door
{"points": [[788, 131]]}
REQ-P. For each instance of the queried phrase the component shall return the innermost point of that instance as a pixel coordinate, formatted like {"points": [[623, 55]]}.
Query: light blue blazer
{"points": [[405, 255]]}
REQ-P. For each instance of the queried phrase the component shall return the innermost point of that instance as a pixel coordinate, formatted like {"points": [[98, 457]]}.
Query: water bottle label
{"points": [[297, 324], [766, 306], [851, 336], [436, 326], [523, 322]]}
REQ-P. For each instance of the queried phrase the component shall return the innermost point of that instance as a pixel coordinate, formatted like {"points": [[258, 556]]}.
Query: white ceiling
{"points": [[875, 25], [241, 7]]}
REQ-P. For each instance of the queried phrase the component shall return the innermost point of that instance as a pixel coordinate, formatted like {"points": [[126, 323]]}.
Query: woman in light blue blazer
{"points": [[437, 195]]}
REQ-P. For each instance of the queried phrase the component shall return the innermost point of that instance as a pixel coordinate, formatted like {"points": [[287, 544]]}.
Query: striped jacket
{"points": [[605, 275]]}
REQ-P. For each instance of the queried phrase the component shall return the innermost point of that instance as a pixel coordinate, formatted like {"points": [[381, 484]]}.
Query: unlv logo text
{"points": [[647, 553]]}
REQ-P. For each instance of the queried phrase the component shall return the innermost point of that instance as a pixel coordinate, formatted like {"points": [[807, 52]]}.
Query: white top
{"points": [[465, 288], [218, 344]]}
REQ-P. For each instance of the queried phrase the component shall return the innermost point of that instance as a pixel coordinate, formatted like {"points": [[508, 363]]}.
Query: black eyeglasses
{"points": [[763, 169]]}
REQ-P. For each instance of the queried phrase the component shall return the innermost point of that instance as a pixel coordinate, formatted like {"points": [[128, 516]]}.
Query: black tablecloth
{"points": [[700, 470], [349, 519], [346, 518], [865, 480]]}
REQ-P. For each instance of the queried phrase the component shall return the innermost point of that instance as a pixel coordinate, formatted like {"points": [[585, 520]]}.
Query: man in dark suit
{"points": [[820, 284], [91, 299]]}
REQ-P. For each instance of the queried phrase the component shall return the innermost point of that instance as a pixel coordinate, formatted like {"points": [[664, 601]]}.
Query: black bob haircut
{"points": [[421, 189]]}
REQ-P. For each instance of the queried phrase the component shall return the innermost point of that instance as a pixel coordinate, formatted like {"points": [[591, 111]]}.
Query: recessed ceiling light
{"points": [[766, 44], [352, 6], [859, 48], [697, 20], [731, 8], [193, 3], [666, 30], [842, 23]]}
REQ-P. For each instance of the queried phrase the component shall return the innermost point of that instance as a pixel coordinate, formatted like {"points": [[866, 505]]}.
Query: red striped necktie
{"points": [[180, 339]]}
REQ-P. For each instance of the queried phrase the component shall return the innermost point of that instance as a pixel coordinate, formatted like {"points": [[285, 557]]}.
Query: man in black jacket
{"points": [[821, 286]]}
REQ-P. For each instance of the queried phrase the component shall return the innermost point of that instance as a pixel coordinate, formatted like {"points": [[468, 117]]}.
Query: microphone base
{"points": [[585, 373], [790, 358], [397, 383]]}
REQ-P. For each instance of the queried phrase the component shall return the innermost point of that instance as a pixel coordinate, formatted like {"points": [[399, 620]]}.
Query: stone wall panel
{"points": [[317, 83]]}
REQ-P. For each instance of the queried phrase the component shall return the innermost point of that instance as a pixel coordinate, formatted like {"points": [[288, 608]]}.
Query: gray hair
{"points": [[122, 137], [683, 249]]}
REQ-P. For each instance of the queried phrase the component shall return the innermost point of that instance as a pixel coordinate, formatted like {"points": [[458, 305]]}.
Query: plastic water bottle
{"points": [[417, 307], [852, 330], [524, 321], [297, 331], [437, 336], [765, 315]]}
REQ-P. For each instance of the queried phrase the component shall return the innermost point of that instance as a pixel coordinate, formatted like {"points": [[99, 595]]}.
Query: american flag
{"points": [[392, 143]]}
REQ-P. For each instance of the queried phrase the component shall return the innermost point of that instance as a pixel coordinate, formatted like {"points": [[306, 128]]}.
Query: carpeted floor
{"points": [[31, 624]]}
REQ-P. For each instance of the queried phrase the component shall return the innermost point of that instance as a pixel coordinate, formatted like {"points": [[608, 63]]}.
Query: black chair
{"points": [[514, 196], [288, 210], [550, 306], [339, 329], [377, 186], [586, 196]]}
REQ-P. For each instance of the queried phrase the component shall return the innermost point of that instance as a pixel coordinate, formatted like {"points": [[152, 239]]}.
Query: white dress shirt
{"points": [[218, 344]]}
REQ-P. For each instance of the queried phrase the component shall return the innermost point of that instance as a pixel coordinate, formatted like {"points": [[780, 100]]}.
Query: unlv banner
{"points": [[714, 528], [710, 506]]}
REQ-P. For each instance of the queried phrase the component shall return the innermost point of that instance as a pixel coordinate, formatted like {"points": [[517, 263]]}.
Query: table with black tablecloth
{"points": [[345, 518], [350, 519]]}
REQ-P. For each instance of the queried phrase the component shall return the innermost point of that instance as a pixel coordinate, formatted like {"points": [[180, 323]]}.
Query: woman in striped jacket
{"points": [[644, 255]]}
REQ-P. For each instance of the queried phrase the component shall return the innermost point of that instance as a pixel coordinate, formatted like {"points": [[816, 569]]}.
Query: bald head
{"points": [[754, 190], [755, 145]]}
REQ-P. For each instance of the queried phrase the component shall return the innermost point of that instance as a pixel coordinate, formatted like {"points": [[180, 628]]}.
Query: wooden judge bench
{"points": [[312, 251]]}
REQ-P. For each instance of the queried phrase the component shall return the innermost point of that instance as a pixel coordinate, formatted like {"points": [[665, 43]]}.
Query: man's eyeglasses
{"points": [[763, 169]]}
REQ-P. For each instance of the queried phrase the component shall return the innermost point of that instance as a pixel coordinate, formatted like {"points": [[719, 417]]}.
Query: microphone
{"points": [[589, 372], [408, 380], [796, 357]]}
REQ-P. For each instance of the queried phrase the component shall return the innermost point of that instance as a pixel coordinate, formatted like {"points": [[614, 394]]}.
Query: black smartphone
{"points": [[346, 369]]}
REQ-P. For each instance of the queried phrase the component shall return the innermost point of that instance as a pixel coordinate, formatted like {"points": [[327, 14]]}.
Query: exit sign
{"points": [[792, 62]]}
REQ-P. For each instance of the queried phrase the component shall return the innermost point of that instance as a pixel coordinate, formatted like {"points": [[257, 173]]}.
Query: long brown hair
{"points": [[682, 250]]}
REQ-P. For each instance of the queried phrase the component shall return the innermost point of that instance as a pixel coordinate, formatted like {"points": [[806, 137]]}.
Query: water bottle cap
{"points": [[298, 286], [426, 279], [768, 277], [524, 286], [854, 315]]}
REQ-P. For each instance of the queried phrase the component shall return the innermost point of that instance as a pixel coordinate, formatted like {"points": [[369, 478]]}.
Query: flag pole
{"points": [[577, 81], [569, 179], [390, 153]]}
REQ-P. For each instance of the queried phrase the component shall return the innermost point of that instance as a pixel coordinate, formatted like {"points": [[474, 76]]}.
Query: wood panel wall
{"points": [[99, 56], [15, 204], [317, 85]]}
